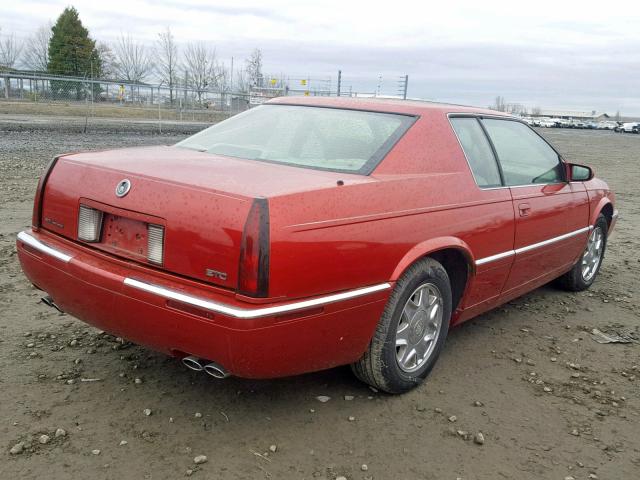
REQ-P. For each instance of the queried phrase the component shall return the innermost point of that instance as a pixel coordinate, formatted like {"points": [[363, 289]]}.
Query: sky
{"points": [[572, 55]]}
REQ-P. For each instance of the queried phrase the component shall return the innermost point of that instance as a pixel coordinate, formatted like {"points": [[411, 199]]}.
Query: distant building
{"points": [[592, 116]]}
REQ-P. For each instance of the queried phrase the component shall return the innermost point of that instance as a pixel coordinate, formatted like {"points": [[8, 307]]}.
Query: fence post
{"points": [[6, 87], [159, 111]]}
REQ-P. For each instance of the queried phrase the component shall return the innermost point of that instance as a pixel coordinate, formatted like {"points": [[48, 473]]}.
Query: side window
{"points": [[478, 151], [525, 158]]}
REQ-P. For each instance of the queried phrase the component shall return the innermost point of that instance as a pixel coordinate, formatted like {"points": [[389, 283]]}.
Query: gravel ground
{"points": [[549, 401]]}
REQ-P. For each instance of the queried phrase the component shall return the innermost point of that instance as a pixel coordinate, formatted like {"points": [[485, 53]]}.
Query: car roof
{"points": [[387, 105]]}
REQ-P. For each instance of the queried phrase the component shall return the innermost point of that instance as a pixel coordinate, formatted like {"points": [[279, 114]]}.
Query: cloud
{"points": [[550, 54], [226, 10]]}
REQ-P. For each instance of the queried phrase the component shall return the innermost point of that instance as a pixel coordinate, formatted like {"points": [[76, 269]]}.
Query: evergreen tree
{"points": [[72, 52]]}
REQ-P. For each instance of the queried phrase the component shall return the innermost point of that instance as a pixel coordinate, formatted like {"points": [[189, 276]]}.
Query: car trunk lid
{"points": [[200, 201]]}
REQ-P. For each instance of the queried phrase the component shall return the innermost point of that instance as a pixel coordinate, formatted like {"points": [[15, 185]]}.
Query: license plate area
{"points": [[125, 237]]}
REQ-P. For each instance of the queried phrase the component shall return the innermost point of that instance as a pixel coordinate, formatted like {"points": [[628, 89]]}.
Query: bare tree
{"points": [[240, 82], [108, 60], [167, 58], [253, 65], [536, 111], [201, 68], [223, 77], [133, 62], [36, 50], [499, 104], [9, 52]]}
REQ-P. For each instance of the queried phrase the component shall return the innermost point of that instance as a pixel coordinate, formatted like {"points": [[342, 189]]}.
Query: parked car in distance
{"points": [[547, 123], [629, 127], [308, 233], [605, 125]]}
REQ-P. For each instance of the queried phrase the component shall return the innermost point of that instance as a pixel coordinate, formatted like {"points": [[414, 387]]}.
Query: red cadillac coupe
{"points": [[309, 233]]}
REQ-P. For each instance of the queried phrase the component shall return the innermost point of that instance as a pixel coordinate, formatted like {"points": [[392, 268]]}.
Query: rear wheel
{"points": [[584, 272], [411, 331]]}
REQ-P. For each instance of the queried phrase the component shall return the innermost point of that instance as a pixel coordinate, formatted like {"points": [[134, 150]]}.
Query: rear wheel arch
{"points": [[454, 255], [458, 268]]}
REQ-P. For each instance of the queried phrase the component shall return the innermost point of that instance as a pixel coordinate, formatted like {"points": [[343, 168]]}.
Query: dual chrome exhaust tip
{"points": [[199, 364], [47, 300]]}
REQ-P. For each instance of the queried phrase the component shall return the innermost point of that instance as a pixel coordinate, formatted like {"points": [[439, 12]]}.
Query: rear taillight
{"points": [[89, 224], [253, 277], [155, 243], [36, 220]]}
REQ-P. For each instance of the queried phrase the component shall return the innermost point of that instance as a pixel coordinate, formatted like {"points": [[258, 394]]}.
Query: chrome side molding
{"points": [[533, 246], [495, 257], [250, 313]]}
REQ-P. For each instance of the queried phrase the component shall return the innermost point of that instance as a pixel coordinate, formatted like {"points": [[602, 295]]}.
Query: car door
{"points": [[490, 221], [551, 214]]}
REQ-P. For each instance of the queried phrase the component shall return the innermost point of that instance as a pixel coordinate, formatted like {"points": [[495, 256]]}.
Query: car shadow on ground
{"points": [[487, 329]]}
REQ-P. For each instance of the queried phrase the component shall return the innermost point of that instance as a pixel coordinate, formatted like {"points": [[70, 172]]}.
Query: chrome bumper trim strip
{"points": [[533, 246], [253, 312], [44, 248]]}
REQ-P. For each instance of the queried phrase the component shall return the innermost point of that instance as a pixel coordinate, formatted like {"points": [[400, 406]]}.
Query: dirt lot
{"points": [[550, 401]]}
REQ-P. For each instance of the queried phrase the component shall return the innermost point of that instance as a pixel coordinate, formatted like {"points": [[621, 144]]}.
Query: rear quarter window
{"points": [[478, 151]]}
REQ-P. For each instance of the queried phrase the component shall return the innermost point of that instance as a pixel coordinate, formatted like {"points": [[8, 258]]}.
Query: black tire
{"points": [[379, 366], [574, 280]]}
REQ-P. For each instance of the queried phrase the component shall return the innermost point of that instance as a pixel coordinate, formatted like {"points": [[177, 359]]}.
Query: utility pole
{"points": [[339, 82], [403, 82]]}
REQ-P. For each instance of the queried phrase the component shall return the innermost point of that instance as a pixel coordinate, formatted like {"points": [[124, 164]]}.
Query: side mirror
{"points": [[578, 173]]}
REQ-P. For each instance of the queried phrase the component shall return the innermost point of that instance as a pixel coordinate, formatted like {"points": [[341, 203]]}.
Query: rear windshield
{"points": [[331, 139]]}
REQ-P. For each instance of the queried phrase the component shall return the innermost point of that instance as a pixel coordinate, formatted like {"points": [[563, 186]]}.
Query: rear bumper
{"points": [[178, 316]]}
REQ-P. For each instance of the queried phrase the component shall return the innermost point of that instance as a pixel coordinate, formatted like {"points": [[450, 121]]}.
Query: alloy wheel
{"points": [[419, 326], [593, 254]]}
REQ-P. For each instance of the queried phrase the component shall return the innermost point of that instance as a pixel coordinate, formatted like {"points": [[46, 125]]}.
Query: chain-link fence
{"points": [[42, 93], [109, 98]]}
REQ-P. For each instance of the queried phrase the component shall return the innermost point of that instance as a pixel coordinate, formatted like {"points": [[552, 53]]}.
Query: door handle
{"points": [[524, 209]]}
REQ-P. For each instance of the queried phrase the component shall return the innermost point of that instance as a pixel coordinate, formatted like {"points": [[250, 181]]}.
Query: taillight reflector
{"points": [[89, 224], [253, 275], [155, 243]]}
